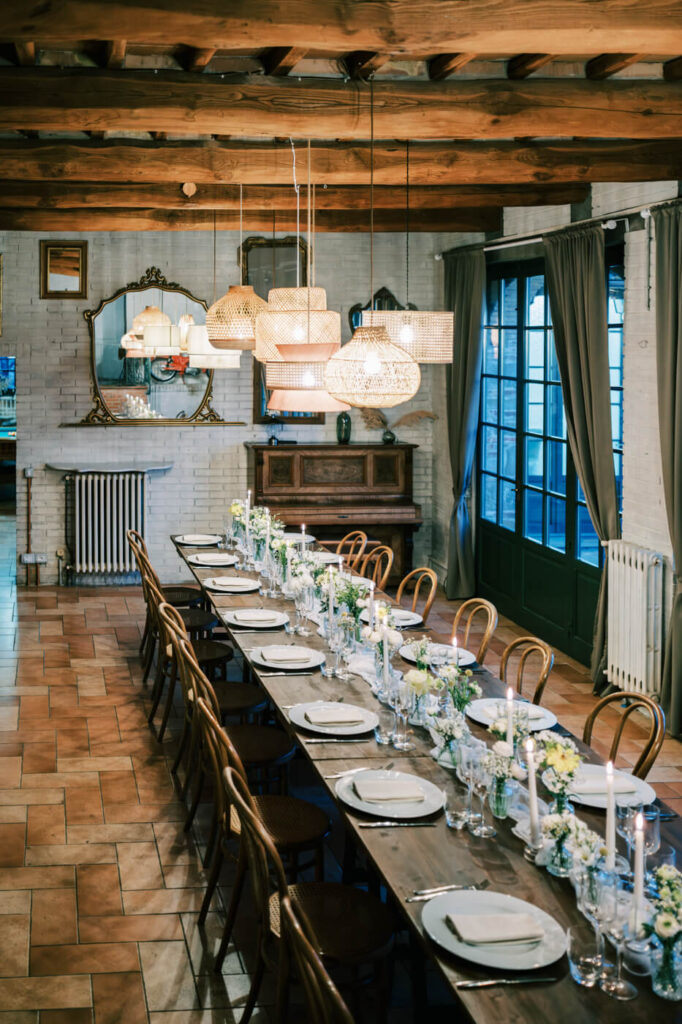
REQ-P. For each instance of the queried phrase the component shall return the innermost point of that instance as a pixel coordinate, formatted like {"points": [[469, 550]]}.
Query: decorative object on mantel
{"points": [[63, 270], [374, 419], [344, 426]]}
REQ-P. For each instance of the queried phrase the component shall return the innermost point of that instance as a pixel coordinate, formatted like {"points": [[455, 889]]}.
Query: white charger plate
{"points": [[199, 540], [475, 711], [231, 584], [464, 658], [298, 716], [526, 956], [402, 619], [216, 560], [309, 658], [432, 802], [644, 793], [292, 535], [239, 619], [326, 557]]}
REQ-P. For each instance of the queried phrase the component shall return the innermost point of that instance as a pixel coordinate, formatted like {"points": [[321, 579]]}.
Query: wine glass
{"points": [[228, 535], [467, 755], [616, 901], [588, 893], [651, 818], [403, 706], [481, 780], [625, 824]]}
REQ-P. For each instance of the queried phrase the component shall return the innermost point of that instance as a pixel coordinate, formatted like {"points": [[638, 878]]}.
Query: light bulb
{"points": [[298, 333], [372, 364], [406, 334], [308, 379]]}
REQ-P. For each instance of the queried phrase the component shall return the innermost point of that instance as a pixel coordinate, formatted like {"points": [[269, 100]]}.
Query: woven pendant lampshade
{"points": [[297, 298], [428, 337], [151, 316], [371, 372], [299, 387], [231, 321], [297, 327], [202, 354]]}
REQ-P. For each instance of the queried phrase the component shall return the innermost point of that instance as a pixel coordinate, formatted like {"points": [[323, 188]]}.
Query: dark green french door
{"points": [[538, 557]]}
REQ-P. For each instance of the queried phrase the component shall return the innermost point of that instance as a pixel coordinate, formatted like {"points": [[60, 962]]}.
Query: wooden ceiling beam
{"points": [[73, 195], [194, 58], [527, 64], [365, 63], [672, 70], [268, 163], [446, 64], [114, 53], [607, 64], [53, 99], [26, 54], [203, 220], [505, 27], [280, 60]]}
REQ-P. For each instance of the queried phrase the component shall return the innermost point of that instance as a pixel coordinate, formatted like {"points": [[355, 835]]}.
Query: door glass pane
{"points": [[556, 421], [488, 497], [556, 466], [508, 395], [535, 355], [509, 353], [509, 294], [489, 449], [587, 542], [507, 516], [491, 349], [492, 302], [535, 408], [535, 301], [534, 461], [508, 460], [533, 516], [556, 523], [489, 409], [552, 362]]}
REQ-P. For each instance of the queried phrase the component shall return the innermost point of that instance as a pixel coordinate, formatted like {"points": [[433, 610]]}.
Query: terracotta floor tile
{"points": [[13, 812], [110, 833], [84, 806], [31, 796], [132, 928], [39, 758], [118, 787], [45, 993], [120, 813], [37, 878], [98, 890], [119, 999], [10, 772], [86, 853], [54, 917], [168, 979], [14, 933], [139, 866], [163, 901], [45, 824], [15, 901], [12, 843], [65, 1016], [98, 958], [94, 764], [60, 780], [19, 1017]]}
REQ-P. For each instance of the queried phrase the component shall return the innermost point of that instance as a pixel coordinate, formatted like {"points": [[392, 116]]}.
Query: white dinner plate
{"points": [[526, 956], [216, 560], [644, 793], [291, 535], [298, 717], [326, 557], [402, 619], [309, 658], [476, 711], [199, 540], [231, 584], [240, 618], [432, 802], [464, 658]]}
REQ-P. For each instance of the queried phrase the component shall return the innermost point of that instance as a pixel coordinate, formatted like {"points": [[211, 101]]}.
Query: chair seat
{"points": [[350, 926], [292, 823], [260, 745], [235, 698], [197, 618], [212, 652], [179, 596]]}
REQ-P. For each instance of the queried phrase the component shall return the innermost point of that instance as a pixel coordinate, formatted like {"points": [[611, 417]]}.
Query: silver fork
{"points": [[422, 895], [354, 771]]}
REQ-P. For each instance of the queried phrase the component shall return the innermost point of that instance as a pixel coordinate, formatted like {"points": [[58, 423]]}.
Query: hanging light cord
{"points": [[214, 254], [407, 224], [371, 193], [309, 261], [297, 190], [241, 233]]}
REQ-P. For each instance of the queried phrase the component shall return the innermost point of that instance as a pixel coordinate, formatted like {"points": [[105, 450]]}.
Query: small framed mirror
{"points": [[63, 270], [382, 299]]}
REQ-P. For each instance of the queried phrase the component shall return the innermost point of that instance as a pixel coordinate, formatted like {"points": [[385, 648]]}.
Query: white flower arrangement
{"points": [[420, 681], [376, 636], [499, 726], [587, 847], [666, 919], [462, 686], [557, 827], [445, 731], [501, 764], [421, 651], [560, 759]]}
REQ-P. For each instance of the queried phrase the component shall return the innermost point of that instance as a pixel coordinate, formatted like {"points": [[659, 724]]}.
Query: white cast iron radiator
{"points": [[635, 617], [101, 507]]}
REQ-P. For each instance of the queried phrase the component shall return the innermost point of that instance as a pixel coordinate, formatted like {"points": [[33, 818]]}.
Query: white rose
{"points": [[666, 925], [395, 639], [503, 748]]}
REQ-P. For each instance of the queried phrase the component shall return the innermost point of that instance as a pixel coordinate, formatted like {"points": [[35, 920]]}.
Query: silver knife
{"points": [[449, 887], [425, 897], [292, 674], [397, 824], [491, 982], [332, 739]]}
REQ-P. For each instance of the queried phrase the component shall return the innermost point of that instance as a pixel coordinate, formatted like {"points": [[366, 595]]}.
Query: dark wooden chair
{"points": [[183, 596], [465, 617], [635, 702], [527, 647], [351, 927], [413, 581], [377, 565]]}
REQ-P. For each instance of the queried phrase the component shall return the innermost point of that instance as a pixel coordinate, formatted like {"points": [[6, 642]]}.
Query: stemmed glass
{"points": [[481, 780], [616, 904], [588, 892], [651, 816], [467, 755], [402, 705], [625, 825], [303, 606], [228, 535]]}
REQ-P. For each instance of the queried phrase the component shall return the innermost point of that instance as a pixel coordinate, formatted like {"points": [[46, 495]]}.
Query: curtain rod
{"points": [[607, 221]]}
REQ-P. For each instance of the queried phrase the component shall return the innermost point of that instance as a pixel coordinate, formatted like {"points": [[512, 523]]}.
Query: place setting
{"points": [[198, 540], [443, 654], [231, 584], [491, 711], [214, 560], [333, 718], [590, 787], [255, 619], [287, 658], [401, 618], [395, 797]]}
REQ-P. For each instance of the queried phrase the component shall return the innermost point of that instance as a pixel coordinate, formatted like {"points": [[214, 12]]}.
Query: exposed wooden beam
{"points": [[365, 63], [446, 64], [267, 163], [26, 54], [672, 70], [280, 60], [195, 58], [607, 64], [51, 99], [115, 53], [504, 27], [203, 220], [72, 195], [527, 64]]}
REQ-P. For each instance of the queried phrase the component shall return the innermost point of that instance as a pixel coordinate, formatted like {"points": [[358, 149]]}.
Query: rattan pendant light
{"points": [[231, 321], [428, 337], [299, 387], [370, 371]]}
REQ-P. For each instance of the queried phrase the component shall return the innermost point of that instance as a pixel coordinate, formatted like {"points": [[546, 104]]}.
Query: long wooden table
{"points": [[408, 859]]}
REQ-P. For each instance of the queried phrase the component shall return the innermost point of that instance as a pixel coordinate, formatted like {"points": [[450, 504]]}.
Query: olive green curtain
{"points": [[576, 281], [464, 284], [668, 226]]}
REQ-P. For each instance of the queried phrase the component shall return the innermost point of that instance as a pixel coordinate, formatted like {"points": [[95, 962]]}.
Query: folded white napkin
{"points": [[217, 558], [231, 583], [595, 785], [379, 791], [255, 615], [338, 715], [400, 615], [198, 538], [287, 655], [478, 929], [498, 709]]}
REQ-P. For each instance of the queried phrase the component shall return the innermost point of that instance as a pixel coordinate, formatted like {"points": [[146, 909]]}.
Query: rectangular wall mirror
{"points": [[63, 270]]}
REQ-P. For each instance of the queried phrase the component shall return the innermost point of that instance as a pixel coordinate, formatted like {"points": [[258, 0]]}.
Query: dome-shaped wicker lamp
{"points": [[427, 337], [371, 372], [204, 356], [297, 327], [151, 316], [299, 387], [231, 321]]}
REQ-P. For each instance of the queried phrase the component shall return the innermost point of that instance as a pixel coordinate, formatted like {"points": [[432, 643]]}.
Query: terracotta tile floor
{"points": [[99, 886]]}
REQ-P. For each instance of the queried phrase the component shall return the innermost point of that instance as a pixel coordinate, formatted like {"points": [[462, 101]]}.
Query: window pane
{"points": [[508, 394], [533, 516], [616, 424], [535, 301], [509, 291], [488, 497], [489, 449], [556, 523], [492, 302], [507, 517], [508, 459], [489, 409], [535, 408], [556, 467], [556, 422], [552, 361], [509, 353], [615, 348], [491, 351], [587, 542], [616, 293], [535, 355], [534, 461]]}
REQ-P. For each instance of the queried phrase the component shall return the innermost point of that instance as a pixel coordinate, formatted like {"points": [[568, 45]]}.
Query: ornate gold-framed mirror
{"points": [[132, 388]]}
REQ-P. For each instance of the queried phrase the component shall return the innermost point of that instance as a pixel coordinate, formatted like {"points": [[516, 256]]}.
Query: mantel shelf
{"points": [[130, 466]]}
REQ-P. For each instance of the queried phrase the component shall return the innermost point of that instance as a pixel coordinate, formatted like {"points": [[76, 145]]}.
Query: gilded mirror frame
{"points": [[100, 415]]}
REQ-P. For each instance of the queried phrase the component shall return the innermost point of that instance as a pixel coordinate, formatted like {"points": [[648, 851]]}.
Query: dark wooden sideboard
{"points": [[335, 488]]}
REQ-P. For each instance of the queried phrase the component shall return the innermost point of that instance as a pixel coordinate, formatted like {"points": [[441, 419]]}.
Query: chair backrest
{"points": [[377, 565], [653, 742], [222, 755], [352, 547], [323, 1001], [527, 647], [173, 634], [415, 579], [466, 615], [136, 540]]}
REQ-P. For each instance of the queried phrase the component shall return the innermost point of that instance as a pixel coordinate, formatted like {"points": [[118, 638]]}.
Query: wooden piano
{"points": [[335, 488]]}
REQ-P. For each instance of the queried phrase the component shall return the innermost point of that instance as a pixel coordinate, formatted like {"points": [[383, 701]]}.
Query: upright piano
{"points": [[336, 488]]}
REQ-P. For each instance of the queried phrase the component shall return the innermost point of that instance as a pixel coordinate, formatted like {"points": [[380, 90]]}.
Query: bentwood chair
{"points": [[413, 581], [377, 565], [352, 548], [295, 826], [179, 596], [466, 616], [527, 647], [635, 702], [323, 1001], [351, 927]]}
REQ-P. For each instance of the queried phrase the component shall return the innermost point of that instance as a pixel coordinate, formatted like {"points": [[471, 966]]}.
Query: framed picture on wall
{"points": [[63, 270], [0, 294]]}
